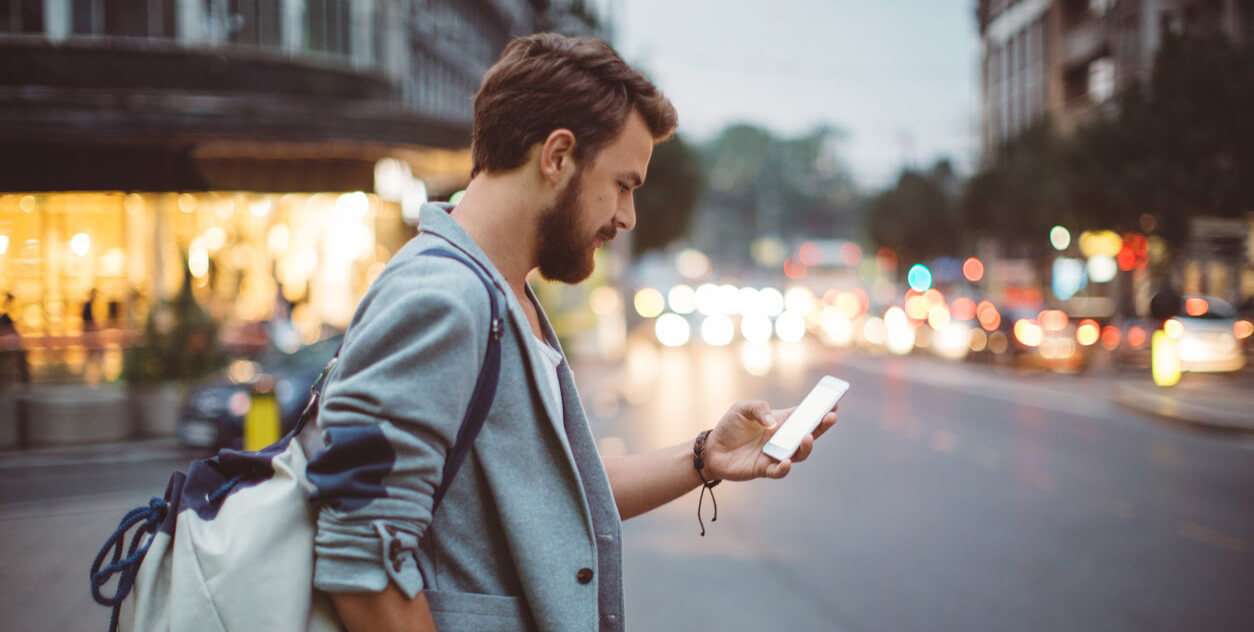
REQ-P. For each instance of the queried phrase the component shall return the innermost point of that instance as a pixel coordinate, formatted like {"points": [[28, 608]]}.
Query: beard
{"points": [[565, 254]]}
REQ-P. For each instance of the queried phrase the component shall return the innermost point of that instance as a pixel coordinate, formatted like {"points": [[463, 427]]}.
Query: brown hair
{"points": [[548, 81]]}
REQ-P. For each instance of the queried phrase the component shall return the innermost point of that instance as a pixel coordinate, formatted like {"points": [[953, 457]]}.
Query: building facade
{"points": [[270, 150], [1061, 59]]}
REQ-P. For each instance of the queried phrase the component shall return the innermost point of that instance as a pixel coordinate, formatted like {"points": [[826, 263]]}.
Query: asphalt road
{"points": [[948, 497]]}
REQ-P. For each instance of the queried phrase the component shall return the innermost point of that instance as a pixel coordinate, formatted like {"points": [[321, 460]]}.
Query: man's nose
{"points": [[626, 217]]}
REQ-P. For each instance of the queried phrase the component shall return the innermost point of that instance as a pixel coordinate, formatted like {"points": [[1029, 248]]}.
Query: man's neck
{"points": [[501, 224]]}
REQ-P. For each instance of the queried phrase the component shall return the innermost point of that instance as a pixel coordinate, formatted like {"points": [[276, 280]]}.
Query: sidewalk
{"points": [[136, 451], [1217, 402]]}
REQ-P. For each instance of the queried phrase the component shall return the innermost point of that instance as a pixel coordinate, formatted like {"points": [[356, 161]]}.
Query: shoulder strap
{"points": [[485, 385]]}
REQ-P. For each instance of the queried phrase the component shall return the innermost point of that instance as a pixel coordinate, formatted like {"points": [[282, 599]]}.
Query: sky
{"points": [[899, 77]]}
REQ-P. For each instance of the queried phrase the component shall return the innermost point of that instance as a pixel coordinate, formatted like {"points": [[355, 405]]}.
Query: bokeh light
{"points": [[989, 318], [649, 302], [1110, 337], [979, 340], [718, 330], [1087, 333], [900, 334], [772, 301], [1196, 306], [692, 264], [973, 269], [1102, 268], [708, 299], [1028, 333], [1136, 337], [998, 342], [919, 277], [756, 328], [1059, 237], [790, 326], [799, 299], [1053, 320], [605, 301], [1174, 328], [963, 308], [672, 330], [836, 327], [1242, 329], [682, 299]]}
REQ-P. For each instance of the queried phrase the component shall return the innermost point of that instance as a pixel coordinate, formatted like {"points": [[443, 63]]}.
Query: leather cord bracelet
{"points": [[698, 463]]}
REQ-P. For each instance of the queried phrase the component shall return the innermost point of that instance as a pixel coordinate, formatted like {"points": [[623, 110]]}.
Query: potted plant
{"points": [[180, 345]]}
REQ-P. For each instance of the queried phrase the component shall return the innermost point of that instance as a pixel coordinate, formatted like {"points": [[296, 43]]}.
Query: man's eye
{"points": [[623, 188]]}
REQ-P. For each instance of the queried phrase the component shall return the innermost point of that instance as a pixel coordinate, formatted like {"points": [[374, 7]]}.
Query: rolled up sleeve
{"points": [[389, 415]]}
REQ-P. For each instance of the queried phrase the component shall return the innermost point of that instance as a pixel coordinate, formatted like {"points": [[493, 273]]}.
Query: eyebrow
{"points": [[634, 178]]}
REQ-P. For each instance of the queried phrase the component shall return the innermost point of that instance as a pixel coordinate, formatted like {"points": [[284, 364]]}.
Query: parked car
{"points": [[1208, 343], [212, 414]]}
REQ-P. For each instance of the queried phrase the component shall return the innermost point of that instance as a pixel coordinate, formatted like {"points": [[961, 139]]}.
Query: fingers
{"points": [[757, 410], [829, 420], [804, 450], [781, 415], [779, 469]]}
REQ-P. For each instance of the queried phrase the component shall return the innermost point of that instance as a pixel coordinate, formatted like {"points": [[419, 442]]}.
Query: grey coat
{"points": [[528, 536]]}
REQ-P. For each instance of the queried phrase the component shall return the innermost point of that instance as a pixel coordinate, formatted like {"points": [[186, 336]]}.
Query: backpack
{"points": [[230, 544]]}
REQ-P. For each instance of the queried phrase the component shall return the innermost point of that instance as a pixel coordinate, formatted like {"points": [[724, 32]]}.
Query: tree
{"points": [[665, 205], [917, 216], [1178, 147]]}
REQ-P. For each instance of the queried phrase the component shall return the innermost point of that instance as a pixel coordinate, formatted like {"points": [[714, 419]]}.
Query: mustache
{"points": [[608, 234]]}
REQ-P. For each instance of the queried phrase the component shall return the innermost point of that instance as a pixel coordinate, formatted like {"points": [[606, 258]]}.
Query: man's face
{"points": [[595, 205]]}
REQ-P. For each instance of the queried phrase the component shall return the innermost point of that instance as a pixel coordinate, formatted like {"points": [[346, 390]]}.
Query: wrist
{"points": [[701, 466]]}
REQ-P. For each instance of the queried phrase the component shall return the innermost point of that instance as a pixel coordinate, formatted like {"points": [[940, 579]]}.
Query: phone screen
{"points": [[807, 416]]}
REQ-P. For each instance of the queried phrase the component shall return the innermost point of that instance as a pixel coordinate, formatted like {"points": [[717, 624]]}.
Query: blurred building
{"points": [[270, 147], [1062, 58]]}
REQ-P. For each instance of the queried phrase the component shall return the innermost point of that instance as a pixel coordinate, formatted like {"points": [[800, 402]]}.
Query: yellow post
{"points": [[261, 422], [1165, 358]]}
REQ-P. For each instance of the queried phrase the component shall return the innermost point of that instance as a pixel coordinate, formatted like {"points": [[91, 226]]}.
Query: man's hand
{"points": [[733, 450], [388, 610]]}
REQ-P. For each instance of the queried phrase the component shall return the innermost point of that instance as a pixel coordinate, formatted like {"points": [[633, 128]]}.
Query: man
{"points": [[528, 535]]}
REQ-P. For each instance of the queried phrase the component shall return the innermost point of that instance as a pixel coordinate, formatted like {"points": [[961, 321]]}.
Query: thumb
{"points": [[760, 411]]}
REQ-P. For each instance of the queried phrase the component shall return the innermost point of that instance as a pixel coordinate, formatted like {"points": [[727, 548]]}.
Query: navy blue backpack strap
{"points": [[485, 385]]}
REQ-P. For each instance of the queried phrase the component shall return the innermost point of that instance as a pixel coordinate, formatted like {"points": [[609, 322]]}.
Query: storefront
{"points": [[85, 268]]}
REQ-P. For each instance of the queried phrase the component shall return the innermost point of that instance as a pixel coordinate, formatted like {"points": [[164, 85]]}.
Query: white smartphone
{"points": [[805, 418]]}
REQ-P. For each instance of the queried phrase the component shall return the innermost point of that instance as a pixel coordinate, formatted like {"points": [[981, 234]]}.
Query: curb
{"points": [[165, 449], [1154, 401]]}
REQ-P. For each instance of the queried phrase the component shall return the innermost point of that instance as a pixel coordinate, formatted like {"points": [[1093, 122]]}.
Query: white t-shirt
{"points": [[548, 373]]}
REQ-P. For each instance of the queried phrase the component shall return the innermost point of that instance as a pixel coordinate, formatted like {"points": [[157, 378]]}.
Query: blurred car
{"points": [[212, 414], [1207, 338]]}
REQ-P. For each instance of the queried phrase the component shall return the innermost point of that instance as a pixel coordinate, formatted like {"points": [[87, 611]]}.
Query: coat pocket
{"points": [[457, 611]]}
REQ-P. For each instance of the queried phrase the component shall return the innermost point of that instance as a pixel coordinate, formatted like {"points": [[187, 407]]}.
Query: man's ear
{"points": [[557, 157]]}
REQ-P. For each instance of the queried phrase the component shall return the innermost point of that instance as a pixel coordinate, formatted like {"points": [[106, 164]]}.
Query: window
{"points": [[328, 23], [254, 22], [21, 16], [144, 18]]}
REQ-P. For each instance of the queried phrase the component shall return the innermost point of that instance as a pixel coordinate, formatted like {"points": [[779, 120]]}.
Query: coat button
{"points": [[584, 575]]}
